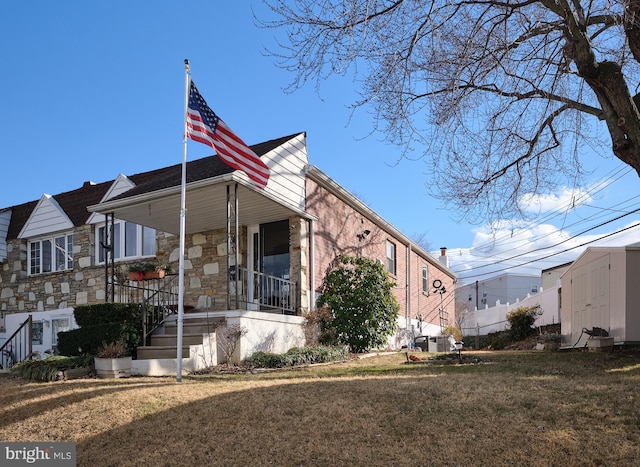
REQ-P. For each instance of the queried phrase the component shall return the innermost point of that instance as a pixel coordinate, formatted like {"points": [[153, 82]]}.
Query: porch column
{"points": [[299, 248]]}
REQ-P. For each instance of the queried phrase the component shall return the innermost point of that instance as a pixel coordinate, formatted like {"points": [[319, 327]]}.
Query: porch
{"points": [[250, 291], [256, 298]]}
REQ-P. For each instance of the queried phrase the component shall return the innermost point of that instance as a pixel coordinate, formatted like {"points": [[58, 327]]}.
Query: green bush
{"points": [[47, 369], [521, 322], [102, 313], [298, 356], [497, 340], [358, 292], [100, 323]]}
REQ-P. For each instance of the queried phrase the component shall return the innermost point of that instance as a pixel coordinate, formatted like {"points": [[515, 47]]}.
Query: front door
{"points": [[268, 259]]}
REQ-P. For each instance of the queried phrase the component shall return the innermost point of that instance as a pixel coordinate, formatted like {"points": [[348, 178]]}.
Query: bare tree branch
{"points": [[492, 91]]}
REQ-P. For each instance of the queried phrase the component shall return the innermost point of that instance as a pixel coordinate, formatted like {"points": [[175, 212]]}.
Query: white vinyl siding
{"points": [[46, 217], [5, 218]]}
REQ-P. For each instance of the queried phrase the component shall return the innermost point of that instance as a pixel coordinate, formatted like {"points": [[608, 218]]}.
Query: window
{"points": [[58, 325], [425, 280], [129, 241], [37, 328], [534, 289], [391, 257], [51, 254]]}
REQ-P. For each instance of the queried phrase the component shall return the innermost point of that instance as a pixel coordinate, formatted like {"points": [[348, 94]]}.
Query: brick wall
{"points": [[337, 231]]}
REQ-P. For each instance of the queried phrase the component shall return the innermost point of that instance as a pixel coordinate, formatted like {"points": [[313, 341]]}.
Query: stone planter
{"points": [[113, 367]]}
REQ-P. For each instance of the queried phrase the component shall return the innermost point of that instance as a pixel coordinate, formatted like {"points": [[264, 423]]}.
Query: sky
{"points": [[94, 89]]}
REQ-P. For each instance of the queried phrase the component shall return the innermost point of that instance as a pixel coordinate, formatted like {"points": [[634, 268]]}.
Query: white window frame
{"points": [[425, 279], [123, 246], [58, 325], [391, 257], [59, 256]]}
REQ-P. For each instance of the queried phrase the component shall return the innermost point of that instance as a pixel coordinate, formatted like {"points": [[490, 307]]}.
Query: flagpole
{"points": [[183, 211]]}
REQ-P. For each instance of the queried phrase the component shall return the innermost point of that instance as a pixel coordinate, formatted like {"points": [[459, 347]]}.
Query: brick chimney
{"points": [[444, 259]]}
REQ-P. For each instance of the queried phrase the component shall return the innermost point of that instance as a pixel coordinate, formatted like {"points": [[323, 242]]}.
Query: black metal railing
{"points": [[269, 293], [18, 347], [157, 297]]}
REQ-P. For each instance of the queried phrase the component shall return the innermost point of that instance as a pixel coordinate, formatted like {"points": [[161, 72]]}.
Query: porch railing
{"points": [[18, 347], [157, 297], [268, 293]]}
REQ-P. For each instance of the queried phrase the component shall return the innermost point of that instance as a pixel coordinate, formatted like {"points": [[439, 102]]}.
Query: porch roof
{"points": [[206, 206], [155, 200]]}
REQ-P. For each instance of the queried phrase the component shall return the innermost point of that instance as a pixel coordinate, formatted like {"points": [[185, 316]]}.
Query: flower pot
{"points": [[146, 275], [113, 367]]}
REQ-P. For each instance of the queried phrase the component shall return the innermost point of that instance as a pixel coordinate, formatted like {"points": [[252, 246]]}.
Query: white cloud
{"points": [[529, 250], [565, 198]]}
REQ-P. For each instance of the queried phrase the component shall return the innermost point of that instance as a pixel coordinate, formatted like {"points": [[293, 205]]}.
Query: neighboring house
{"points": [[600, 290], [256, 257], [502, 289], [551, 276]]}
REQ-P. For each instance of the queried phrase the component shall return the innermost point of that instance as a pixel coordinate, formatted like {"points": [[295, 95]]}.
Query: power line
{"points": [[608, 180], [559, 243], [558, 252]]}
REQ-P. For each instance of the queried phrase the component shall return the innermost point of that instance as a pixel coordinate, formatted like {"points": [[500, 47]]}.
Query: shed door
{"points": [[591, 296]]}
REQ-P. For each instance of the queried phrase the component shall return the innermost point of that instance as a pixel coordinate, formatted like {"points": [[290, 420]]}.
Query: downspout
{"points": [[408, 291], [228, 248], [312, 266]]}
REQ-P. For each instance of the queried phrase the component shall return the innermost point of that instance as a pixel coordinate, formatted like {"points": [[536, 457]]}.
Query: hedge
{"points": [[102, 323]]}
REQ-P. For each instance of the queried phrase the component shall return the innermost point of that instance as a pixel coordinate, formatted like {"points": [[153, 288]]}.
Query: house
{"points": [[505, 288], [256, 257], [551, 276], [600, 290]]}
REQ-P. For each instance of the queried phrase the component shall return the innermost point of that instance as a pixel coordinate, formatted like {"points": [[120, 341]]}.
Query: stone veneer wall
{"points": [[205, 271], [205, 265], [299, 254], [84, 284]]}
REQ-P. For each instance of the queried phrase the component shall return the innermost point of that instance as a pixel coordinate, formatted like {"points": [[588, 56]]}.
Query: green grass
{"points": [[508, 408]]}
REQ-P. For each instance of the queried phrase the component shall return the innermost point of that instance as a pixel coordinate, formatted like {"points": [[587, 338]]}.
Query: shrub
{"points": [[318, 328], [454, 332], [496, 340], [298, 356], [102, 313], [113, 350], [358, 292], [228, 338], [48, 369], [102, 322], [521, 321]]}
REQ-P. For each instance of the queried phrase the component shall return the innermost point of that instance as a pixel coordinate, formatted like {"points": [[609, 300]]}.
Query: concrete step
{"points": [[160, 351], [195, 326], [172, 339]]}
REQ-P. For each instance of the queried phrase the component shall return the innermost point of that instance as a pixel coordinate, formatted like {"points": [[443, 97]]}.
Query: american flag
{"points": [[204, 126]]}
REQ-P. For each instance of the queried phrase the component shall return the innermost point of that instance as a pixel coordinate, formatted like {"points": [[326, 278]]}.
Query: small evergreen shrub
{"points": [[102, 322], [521, 321], [48, 369], [298, 356], [358, 294], [497, 340]]}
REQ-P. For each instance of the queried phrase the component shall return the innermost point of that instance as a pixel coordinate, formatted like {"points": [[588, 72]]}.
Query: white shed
{"points": [[602, 289]]}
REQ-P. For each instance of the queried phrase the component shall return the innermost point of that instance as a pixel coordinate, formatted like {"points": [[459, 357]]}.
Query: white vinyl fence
{"points": [[493, 319]]}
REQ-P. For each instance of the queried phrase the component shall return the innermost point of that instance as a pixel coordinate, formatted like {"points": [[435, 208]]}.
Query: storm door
{"points": [[268, 261]]}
